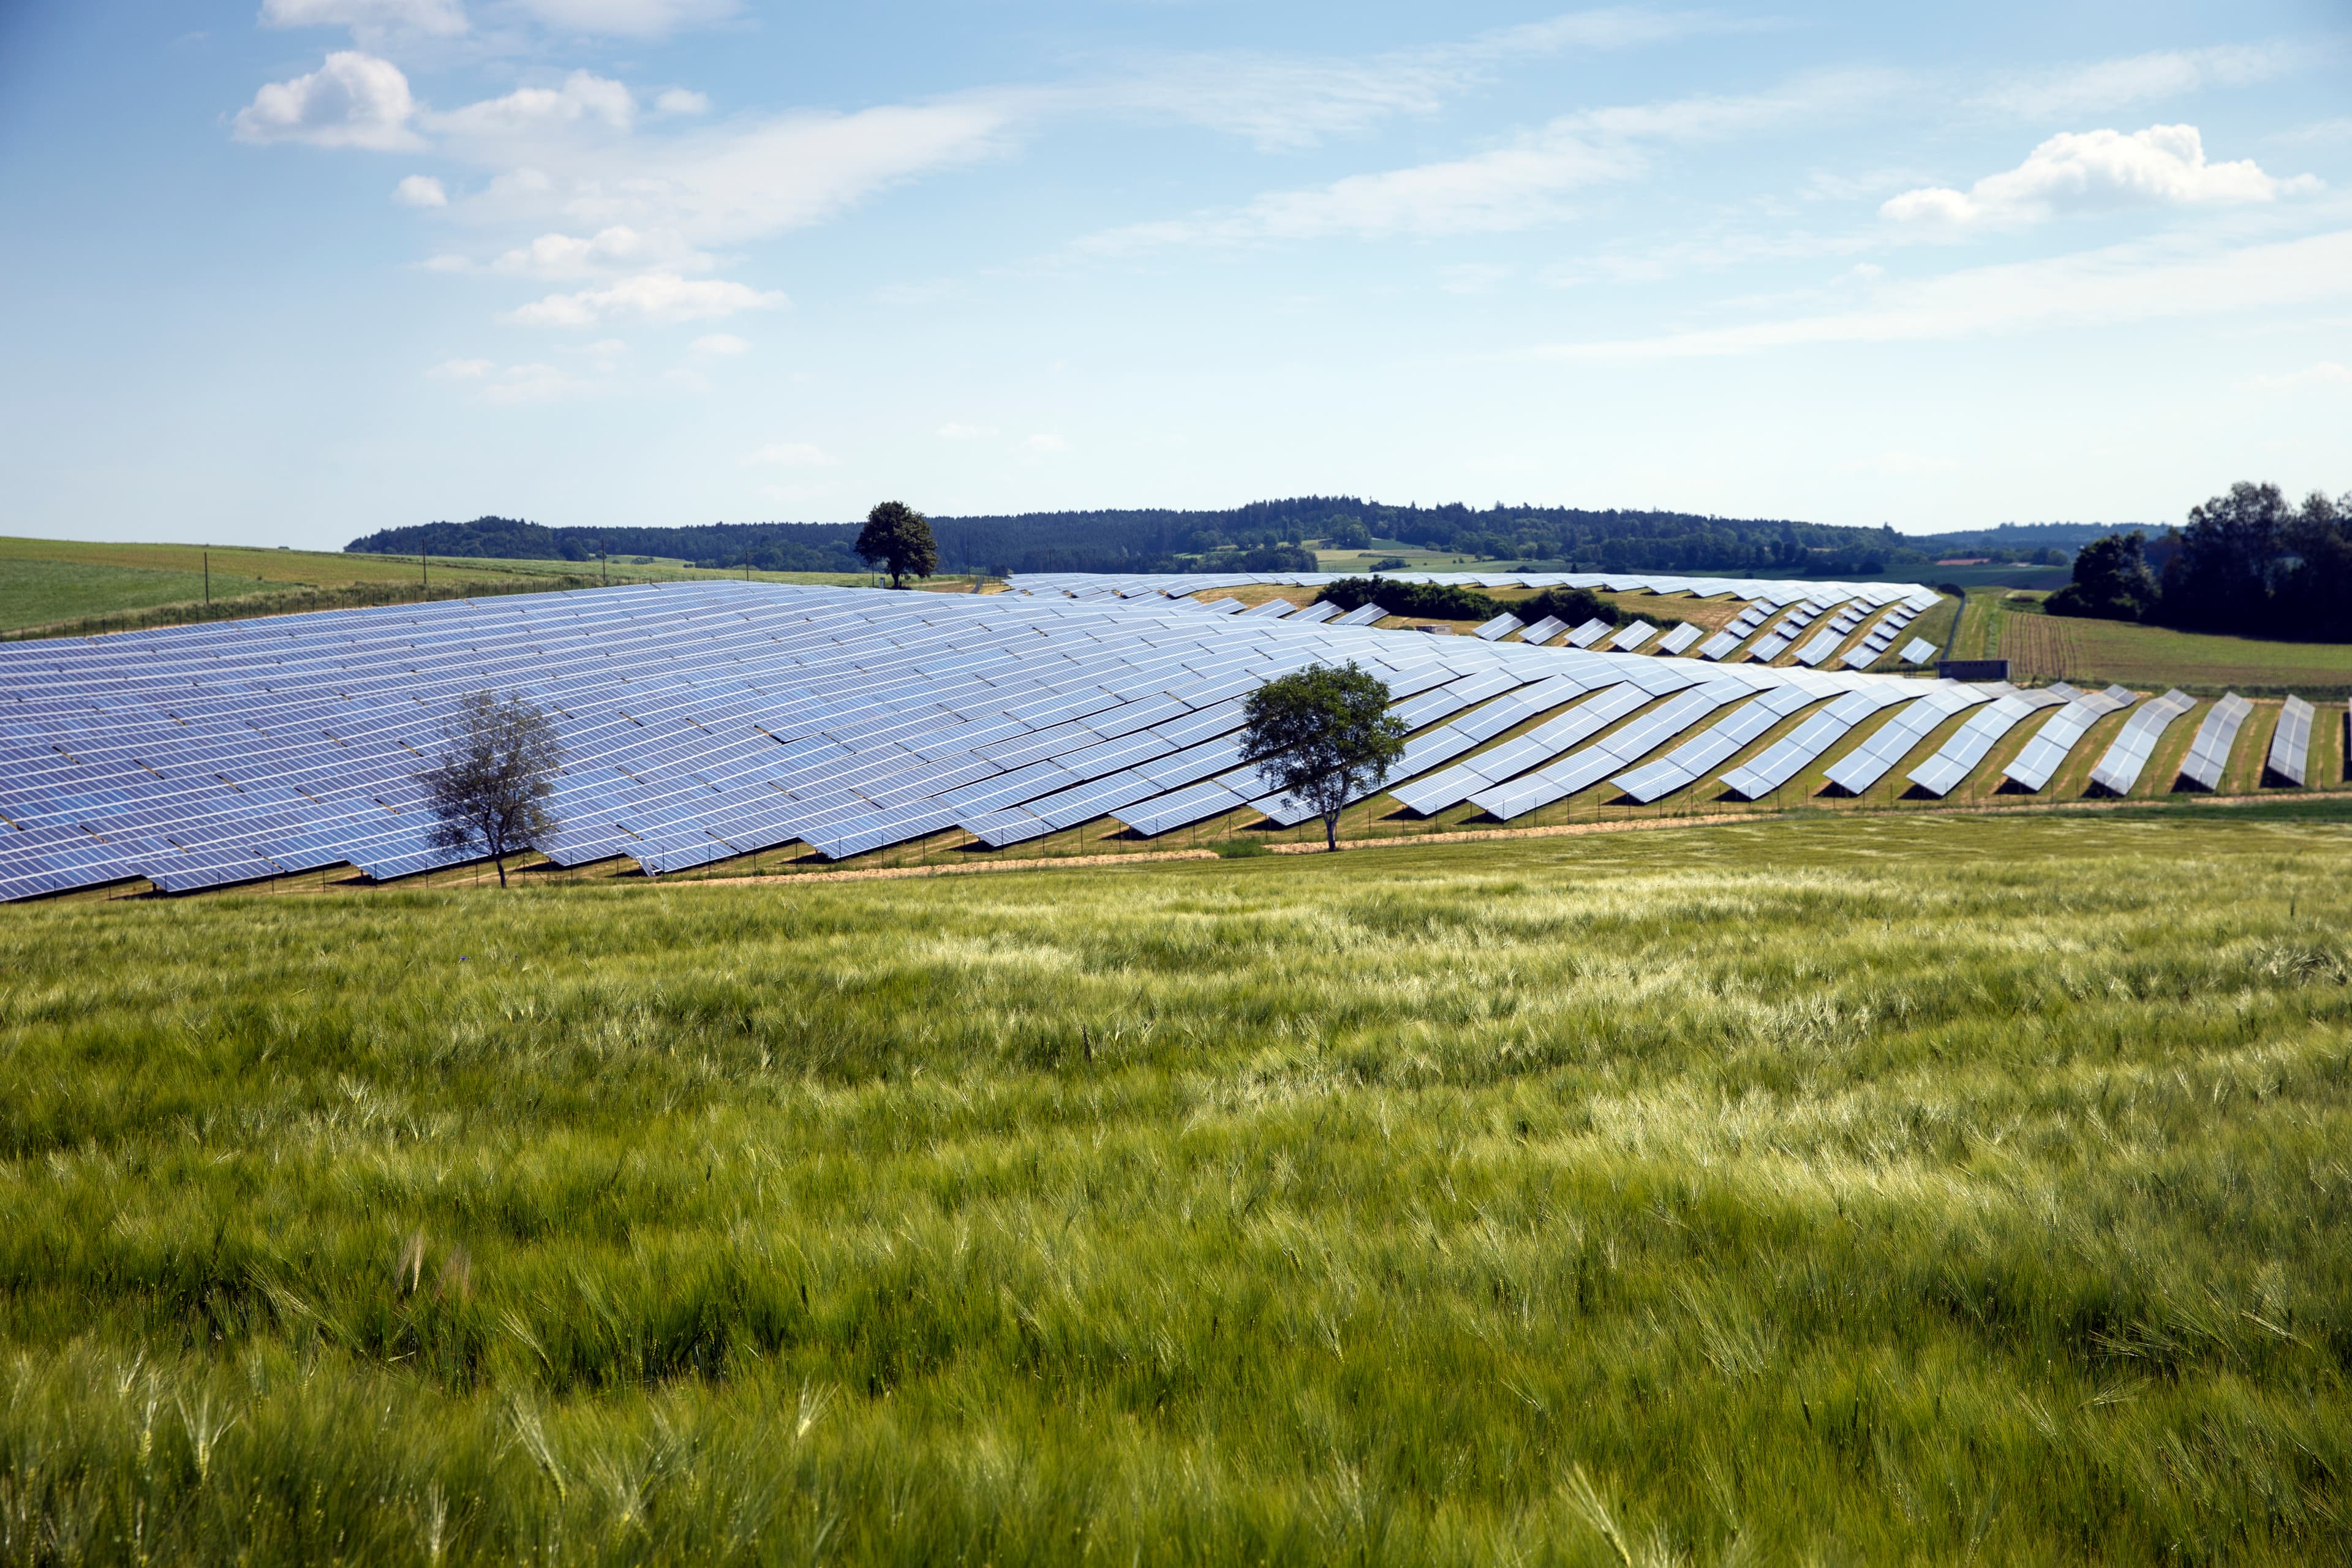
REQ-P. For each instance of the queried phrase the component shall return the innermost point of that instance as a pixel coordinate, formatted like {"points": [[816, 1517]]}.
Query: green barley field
{"points": [[1805, 1192]]}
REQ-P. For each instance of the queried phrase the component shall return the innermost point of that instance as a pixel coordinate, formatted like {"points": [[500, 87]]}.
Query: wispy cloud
{"points": [[659, 297], [1283, 102], [507, 385], [2326, 373], [788, 455], [2141, 78], [1517, 186], [2099, 287], [370, 21], [629, 19]]}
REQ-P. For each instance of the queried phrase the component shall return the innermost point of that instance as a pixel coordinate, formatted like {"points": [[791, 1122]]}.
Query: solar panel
{"points": [[2120, 768], [1516, 756], [1958, 756], [1630, 637], [1870, 762], [1918, 650], [1825, 643], [1691, 760], [1496, 630], [2208, 753], [1362, 616], [1720, 644], [703, 719], [1270, 607], [1679, 639], [1766, 649], [1544, 630], [1580, 770], [1314, 612], [2291, 741], [1590, 632]]}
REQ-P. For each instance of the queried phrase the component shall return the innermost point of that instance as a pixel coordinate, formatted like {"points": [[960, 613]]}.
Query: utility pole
{"points": [[423, 574], [602, 569], [209, 579], [747, 563]]}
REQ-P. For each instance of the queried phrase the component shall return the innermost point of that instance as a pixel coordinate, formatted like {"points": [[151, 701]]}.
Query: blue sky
{"points": [[285, 272]]}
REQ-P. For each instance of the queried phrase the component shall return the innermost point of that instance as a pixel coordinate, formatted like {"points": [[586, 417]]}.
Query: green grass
{"points": [[1828, 1191], [37, 592]]}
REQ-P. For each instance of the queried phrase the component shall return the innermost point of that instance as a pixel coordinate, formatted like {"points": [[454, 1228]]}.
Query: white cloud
{"points": [[629, 19], [788, 455], [719, 346], [1045, 441], [616, 249], [1508, 188], [679, 100], [441, 18], [420, 191], [2115, 84], [2326, 372], [955, 432], [652, 297], [2076, 171], [352, 100], [584, 98], [464, 369], [2093, 288]]}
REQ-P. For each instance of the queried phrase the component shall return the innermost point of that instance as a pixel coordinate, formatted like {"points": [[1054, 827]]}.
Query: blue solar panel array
{"points": [[705, 721]]}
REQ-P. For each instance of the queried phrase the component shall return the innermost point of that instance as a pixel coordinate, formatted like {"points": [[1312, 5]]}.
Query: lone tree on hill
{"points": [[1324, 735], [898, 539], [493, 781]]}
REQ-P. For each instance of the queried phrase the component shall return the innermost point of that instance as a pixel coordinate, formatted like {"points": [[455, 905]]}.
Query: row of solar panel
{"points": [[683, 818]]}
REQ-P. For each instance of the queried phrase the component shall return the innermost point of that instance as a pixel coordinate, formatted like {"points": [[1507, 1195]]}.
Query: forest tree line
{"points": [[1264, 536], [2249, 563]]}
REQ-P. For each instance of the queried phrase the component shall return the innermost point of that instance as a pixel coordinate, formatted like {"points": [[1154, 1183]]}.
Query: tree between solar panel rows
{"points": [[494, 779], [1324, 735]]}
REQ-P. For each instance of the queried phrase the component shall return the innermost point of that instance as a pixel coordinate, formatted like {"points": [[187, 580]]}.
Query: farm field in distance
{"points": [[81, 588], [2094, 652], [1857, 1190]]}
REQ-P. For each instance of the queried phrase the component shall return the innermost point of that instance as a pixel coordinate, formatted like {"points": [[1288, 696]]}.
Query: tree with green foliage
{"points": [[2254, 563], [1324, 735], [2222, 577], [2112, 581], [1438, 601], [1574, 605], [897, 538], [494, 778]]}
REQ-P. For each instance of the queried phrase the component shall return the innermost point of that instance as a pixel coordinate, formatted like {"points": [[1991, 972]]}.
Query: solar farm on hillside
{"points": [[703, 721]]}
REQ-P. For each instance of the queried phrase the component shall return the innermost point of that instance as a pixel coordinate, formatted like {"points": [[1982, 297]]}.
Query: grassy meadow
{"points": [[1798, 1191]]}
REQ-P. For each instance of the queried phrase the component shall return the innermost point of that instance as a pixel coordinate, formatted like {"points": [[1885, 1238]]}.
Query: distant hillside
{"points": [[2023, 536], [1267, 535]]}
